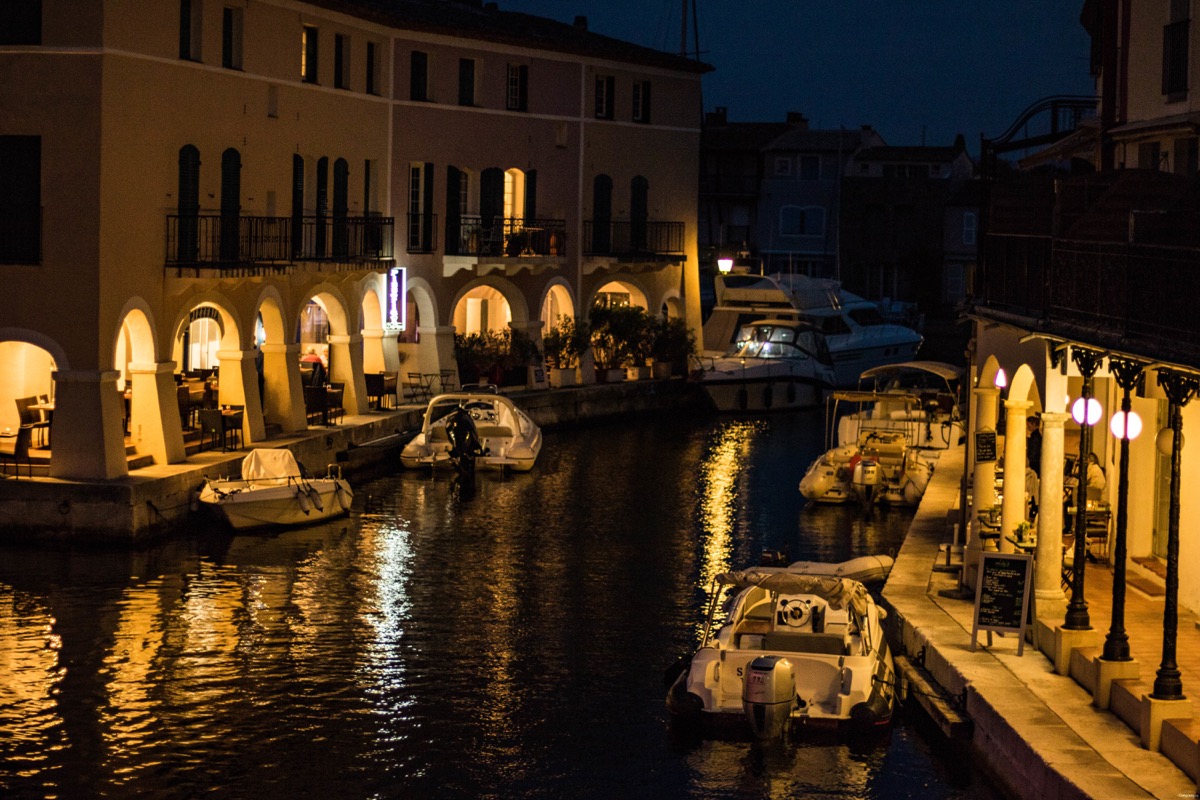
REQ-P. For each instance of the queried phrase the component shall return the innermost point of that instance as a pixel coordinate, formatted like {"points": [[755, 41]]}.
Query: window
{"points": [[231, 38], [801, 221], [341, 61], [21, 22], [418, 77], [517, 96], [969, 226], [1175, 52], [641, 101], [20, 199], [605, 85], [809, 168], [273, 102], [783, 166], [420, 202], [189, 28], [466, 81], [1187, 156], [308, 54], [1148, 155], [372, 68]]}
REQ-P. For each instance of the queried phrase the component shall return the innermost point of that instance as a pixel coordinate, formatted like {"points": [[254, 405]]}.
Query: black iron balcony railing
{"points": [[1132, 297], [20, 233], [632, 238], [422, 233], [507, 237], [216, 239]]}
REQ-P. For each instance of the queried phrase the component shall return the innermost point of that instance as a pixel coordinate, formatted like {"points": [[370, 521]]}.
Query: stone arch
{"points": [[37, 339], [134, 339], [987, 373], [25, 356], [338, 310], [270, 307], [672, 306], [628, 284], [557, 301], [220, 311], [422, 294], [515, 312], [1023, 386]]}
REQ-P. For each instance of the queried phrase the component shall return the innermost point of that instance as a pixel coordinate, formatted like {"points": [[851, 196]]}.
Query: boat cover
{"points": [[266, 465], [947, 372], [838, 592]]}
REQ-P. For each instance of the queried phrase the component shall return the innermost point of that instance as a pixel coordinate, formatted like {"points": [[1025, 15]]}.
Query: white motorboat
{"points": [[880, 468], [918, 399], [798, 645], [275, 491], [506, 437], [774, 364], [856, 331]]}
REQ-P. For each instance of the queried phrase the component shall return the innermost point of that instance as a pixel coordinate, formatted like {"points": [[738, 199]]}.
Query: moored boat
{"points": [[773, 365], [919, 399], [274, 490], [798, 646], [880, 468], [503, 436]]}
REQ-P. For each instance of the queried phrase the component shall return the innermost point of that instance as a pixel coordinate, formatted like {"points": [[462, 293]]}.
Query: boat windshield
{"points": [[767, 341]]}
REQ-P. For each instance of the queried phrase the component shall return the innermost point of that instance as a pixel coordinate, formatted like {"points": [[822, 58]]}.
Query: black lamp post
{"points": [[1116, 644], [1077, 619], [1180, 388]]}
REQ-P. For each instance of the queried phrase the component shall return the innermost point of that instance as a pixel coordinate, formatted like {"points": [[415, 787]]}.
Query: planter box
{"points": [[610, 375], [638, 373], [562, 377]]}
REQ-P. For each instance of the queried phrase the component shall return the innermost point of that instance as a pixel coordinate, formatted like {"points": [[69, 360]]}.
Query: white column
{"points": [[375, 351], [346, 366], [1047, 580], [1013, 508], [238, 386], [154, 424], [86, 440], [283, 404], [436, 351], [984, 478]]}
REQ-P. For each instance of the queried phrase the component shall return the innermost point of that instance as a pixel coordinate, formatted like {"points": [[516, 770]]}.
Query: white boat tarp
{"points": [[838, 592], [266, 465]]}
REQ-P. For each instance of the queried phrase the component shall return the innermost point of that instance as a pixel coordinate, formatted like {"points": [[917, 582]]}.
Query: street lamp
{"points": [[725, 265], [1001, 380], [1125, 426], [1085, 411], [1090, 416]]}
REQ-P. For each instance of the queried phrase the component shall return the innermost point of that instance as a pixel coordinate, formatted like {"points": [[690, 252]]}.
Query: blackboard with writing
{"points": [[985, 446], [1002, 595]]}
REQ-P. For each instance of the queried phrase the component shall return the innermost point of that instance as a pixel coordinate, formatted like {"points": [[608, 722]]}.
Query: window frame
{"points": [[783, 167], [970, 227], [310, 53], [191, 19], [232, 32], [418, 76], [341, 61], [516, 92], [641, 102], [371, 77], [468, 80], [605, 91]]}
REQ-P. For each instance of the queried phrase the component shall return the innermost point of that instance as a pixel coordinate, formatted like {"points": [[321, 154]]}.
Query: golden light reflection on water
{"points": [[29, 658], [720, 474]]}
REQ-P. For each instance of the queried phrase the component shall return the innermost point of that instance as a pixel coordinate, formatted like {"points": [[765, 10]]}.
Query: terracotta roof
{"points": [[474, 20]]}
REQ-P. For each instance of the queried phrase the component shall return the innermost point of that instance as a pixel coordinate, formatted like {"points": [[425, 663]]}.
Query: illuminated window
{"points": [[514, 195], [308, 54]]}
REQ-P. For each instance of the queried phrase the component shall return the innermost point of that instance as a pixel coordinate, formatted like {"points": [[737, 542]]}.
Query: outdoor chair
{"points": [[16, 449], [212, 427], [316, 405], [32, 418]]}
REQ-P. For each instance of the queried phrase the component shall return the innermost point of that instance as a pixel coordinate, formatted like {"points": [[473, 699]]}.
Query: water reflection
{"points": [[510, 644]]}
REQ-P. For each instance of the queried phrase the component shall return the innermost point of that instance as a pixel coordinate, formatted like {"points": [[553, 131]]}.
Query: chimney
{"points": [[797, 120], [581, 23]]}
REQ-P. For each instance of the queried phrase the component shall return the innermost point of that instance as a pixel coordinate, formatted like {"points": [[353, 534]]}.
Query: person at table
{"points": [[1096, 480], [1033, 442], [310, 357]]}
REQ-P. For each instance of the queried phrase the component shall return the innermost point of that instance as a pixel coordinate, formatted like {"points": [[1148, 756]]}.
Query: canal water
{"points": [[509, 644]]}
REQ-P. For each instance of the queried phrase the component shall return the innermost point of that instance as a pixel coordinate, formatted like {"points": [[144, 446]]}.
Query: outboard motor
{"points": [[768, 696], [464, 443]]}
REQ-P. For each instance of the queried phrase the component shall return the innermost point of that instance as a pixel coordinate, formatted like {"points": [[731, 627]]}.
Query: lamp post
{"points": [[1125, 426], [1088, 361], [1180, 388]]}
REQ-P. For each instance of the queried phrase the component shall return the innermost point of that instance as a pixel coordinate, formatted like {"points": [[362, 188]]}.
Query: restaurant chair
{"points": [[32, 418], [187, 406], [232, 418], [448, 381], [336, 393], [419, 385], [316, 405], [212, 427], [374, 382], [16, 449]]}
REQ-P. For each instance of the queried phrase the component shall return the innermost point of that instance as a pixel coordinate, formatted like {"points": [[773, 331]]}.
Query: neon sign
{"points": [[396, 291]]}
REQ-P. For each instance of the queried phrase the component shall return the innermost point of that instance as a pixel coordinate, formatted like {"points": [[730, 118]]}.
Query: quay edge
{"points": [[156, 501]]}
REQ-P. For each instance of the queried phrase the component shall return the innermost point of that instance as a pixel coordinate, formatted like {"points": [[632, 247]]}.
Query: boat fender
{"points": [[314, 497], [302, 499], [341, 493], [684, 705]]}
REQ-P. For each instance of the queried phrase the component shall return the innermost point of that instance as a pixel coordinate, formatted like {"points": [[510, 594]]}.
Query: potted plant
{"points": [[564, 344], [672, 343], [619, 339]]}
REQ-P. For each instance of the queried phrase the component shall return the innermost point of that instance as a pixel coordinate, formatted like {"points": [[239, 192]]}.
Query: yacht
{"points": [[856, 331], [773, 364]]}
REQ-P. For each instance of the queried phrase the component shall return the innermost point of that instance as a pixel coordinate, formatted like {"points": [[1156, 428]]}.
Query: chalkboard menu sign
{"points": [[985, 446], [1002, 595]]}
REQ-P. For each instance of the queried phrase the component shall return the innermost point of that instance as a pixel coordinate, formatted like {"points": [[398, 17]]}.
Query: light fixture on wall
{"points": [[1001, 379]]}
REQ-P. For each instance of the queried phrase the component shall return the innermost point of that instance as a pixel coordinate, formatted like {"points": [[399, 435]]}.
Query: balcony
{"points": [[507, 237], [1134, 298], [422, 233], [240, 243], [633, 240], [20, 233]]}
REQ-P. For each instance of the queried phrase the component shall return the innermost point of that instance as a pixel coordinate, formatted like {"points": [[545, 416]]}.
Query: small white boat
{"points": [[799, 645], [856, 330], [919, 399], [881, 468], [507, 437], [274, 491], [774, 364]]}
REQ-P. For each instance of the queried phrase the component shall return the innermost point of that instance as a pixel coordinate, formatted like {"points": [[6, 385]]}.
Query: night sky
{"points": [[919, 71]]}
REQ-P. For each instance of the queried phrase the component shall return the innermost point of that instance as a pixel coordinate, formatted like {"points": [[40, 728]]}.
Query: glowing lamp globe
{"points": [[725, 265], [1089, 417], [1001, 378], [1126, 429], [1165, 440]]}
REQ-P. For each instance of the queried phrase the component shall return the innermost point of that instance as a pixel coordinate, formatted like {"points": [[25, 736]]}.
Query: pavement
{"points": [[1036, 731]]}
